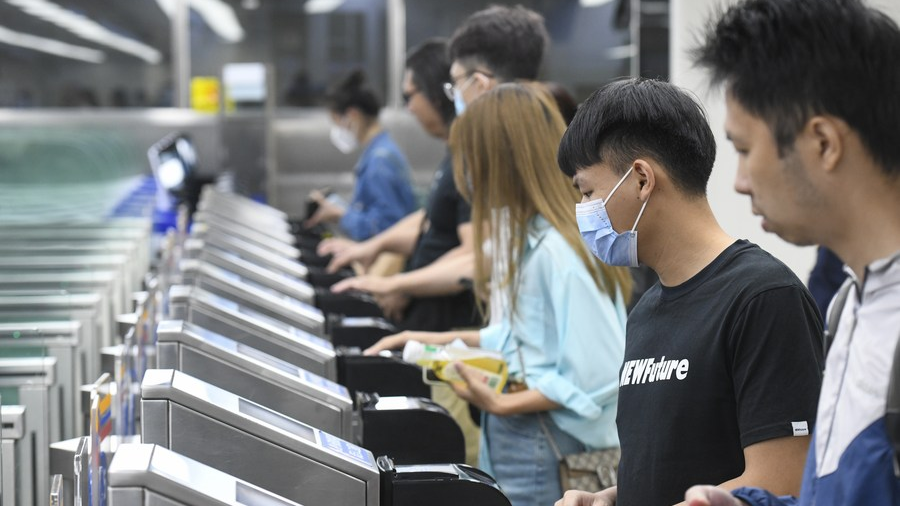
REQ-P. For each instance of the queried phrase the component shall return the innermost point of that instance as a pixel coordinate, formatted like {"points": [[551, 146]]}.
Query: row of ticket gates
{"points": [[234, 377]]}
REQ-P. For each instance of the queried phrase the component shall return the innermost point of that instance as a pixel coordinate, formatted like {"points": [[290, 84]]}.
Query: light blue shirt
{"points": [[571, 336]]}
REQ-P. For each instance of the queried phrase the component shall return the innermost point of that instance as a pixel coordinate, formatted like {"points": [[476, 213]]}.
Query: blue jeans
{"points": [[515, 451]]}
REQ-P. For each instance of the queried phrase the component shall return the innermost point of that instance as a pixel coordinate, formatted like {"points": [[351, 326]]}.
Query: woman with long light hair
{"points": [[557, 315]]}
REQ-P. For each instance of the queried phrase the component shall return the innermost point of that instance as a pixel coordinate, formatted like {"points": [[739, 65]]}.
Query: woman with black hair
{"points": [[383, 193]]}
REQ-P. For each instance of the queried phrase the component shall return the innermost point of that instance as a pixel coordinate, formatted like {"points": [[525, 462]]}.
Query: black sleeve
{"points": [[776, 364], [463, 209]]}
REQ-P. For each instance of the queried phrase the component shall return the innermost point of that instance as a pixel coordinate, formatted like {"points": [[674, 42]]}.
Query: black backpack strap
{"points": [[834, 314], [892, 414]]}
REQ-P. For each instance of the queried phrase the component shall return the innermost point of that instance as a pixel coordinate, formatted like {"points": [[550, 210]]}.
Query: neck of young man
{"points": [[865, 222], [684, 242]]}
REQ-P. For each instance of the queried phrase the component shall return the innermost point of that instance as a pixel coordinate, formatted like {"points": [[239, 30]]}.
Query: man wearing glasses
{"points": [[492, 46]]}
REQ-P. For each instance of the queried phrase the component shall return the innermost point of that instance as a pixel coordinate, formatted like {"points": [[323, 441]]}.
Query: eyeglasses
{"points": [[449, 88], [408, 96]]}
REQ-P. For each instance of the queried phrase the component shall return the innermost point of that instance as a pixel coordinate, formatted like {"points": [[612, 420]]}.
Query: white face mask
{"points": [[343, 139]]}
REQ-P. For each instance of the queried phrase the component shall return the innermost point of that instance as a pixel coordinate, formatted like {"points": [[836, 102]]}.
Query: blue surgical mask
{"points": [[458, 103], [598, 234]]}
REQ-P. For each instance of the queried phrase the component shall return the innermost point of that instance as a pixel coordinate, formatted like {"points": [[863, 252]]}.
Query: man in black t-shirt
{"points": [[723, 357]]}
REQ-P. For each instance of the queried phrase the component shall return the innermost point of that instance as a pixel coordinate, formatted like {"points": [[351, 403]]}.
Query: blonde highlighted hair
{"points": [[504, 157]]}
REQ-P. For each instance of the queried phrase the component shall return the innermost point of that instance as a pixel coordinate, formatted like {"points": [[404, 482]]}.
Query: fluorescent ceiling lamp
{"points": [[220, 16], [622, 52], [593, 3], [321, 6], [87, 29], [51, 46]]}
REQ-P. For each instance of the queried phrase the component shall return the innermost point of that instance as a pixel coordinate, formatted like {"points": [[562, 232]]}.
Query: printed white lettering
{"points": [[641, 371], [682, 371], [626, 373], [647, 371], [670, 366]]}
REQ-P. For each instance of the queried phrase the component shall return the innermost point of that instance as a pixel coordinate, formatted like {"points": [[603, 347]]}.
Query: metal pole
{"points": [[634, 27], [181, 53], [396, 50]]}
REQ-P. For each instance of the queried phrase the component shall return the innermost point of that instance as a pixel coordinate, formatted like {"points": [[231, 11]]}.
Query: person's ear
{"points": [[646, 178], [483, 82], [823, 137]]}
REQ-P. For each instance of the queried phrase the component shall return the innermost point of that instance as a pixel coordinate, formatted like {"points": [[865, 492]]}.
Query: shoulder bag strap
{"points": [[834, 315]]}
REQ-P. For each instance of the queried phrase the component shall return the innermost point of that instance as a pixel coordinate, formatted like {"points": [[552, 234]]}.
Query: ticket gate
{"points": [[16, 458], [88, 309], [208, 224], [105, 282], [244, 325], [430, 434], [58, 339], [297, 313], [13, 247], [289, 458], [287, 284], [262, 299], [361, 332], [285, 244], [32, 383], [136, 230], [382, 375], [151, 475], [194, 246], [48, 263], [261, 256], [231, 204]]}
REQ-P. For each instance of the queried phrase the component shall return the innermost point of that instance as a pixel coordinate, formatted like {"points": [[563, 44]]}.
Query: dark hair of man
{"points": [[788, 60], [634, 118], [353, 91], [430, 68], [508, 42], [564, 100]]}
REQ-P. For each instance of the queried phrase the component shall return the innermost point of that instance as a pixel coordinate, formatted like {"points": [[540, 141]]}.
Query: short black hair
{"points": [[628, 119], [508, 41], [785, 61], [353, 91], [430, 69]]}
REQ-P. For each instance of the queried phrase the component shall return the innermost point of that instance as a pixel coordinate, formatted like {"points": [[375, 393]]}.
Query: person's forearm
{"points": [[526, 401], [439, 278], [401, 237]]}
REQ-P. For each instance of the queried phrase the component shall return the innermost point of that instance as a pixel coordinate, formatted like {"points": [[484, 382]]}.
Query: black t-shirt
{"points": [[729, 358], [445, 211]]}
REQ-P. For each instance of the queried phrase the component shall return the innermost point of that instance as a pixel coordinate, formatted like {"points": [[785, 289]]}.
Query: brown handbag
{"points": [[591, 471]]}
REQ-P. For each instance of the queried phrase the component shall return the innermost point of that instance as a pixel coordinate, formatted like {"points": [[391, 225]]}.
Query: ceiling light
{"points": [[51, 46], [593, 3], [86, 28], [220, 16], [321, 6], [622, 52]]}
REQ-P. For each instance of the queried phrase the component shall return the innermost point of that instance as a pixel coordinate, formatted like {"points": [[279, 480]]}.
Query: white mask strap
{"points": [[641, 213], [616, 187]]}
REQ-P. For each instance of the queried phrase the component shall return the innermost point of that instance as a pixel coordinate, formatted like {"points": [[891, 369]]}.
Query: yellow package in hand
{"points": [[490, 365]]}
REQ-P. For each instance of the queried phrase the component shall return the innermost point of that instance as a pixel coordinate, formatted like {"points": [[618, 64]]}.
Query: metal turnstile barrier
{"points": [[15, 456], [255, 296], [150, 475], [254, 443], [31, 382], [58, 339], [244, 325]]}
